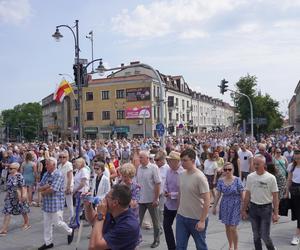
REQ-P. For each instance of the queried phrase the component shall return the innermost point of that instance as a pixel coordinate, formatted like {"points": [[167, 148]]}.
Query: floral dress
{"points": [[11, 201], [230, 205]]}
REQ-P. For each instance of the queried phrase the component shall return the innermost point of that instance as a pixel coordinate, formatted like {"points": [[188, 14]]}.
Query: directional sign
{"points": [[160, 129]]}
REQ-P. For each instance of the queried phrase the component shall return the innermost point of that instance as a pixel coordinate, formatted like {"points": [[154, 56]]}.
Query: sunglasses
{"points": [[156, 159], [62, 157], [227, 169], [96, 168], [11, 168]]}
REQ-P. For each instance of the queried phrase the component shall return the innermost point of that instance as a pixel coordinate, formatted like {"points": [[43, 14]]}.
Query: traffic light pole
{"points": [[251, 110]]}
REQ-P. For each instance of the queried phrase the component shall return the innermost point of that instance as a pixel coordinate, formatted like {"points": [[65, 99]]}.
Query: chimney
{"points": [[133, 63]]}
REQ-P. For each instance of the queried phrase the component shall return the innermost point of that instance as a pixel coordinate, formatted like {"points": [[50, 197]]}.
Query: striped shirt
{"points": [[54, 201]]}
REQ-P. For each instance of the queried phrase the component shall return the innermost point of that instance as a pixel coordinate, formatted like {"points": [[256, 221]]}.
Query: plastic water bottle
{"points": [[94, 200]]}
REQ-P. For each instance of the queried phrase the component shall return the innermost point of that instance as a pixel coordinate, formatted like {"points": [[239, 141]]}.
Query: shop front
{"points": [[91, 133]]}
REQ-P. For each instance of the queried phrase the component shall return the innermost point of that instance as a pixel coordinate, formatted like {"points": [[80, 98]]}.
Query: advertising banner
{"points": [[138, 94], [138, 113]]}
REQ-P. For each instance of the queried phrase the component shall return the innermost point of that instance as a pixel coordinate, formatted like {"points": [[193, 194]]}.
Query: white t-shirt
{"points": [[64, 169], [261, 187], [80, 174], [244, 160], [296, 173], [288, 155], [210, 167]]}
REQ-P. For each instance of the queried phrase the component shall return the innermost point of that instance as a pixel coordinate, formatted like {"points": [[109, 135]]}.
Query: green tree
{"points": [[263, 105], [24, 121]]}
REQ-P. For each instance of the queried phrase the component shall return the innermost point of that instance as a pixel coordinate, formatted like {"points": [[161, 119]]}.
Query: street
{"points": [[216, 238]]}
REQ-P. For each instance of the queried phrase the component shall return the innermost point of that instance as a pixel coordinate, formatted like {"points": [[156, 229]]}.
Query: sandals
{"points": [[26, 227], [3, 233]]}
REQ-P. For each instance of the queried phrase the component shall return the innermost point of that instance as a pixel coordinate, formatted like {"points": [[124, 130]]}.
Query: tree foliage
{"points": [[24, 121], [263, 105]]}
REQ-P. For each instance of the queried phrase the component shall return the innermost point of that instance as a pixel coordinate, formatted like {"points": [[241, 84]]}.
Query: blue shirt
{"points": [[122, 232], [55, 201]]}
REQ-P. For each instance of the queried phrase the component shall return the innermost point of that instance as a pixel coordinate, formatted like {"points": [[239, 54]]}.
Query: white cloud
{"points": [[177, 16], [14, 11], [193, 34], [287, 24]]}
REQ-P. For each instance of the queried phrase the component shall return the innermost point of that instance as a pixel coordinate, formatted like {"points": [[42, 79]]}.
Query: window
{"points": [[120, 114], [176, 101], [76, 104], [105, 95], [154, 90], [182, 104], [170, 116], [89, 116], [89, 96], [177, 117], [183, 117], [187, 104], [105, 115], [120, 93]]}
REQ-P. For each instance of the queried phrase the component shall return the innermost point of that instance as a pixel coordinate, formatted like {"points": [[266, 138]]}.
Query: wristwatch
{"points": [[100, 217]]}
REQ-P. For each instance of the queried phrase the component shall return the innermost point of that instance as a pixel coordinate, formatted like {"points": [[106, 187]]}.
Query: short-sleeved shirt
{"points": [[54, 201], [244, 157], [191, 187], [210, 167], [64, 169], [261, 187], [122, 232], [147, 177], [296, 173], [82, 173]]}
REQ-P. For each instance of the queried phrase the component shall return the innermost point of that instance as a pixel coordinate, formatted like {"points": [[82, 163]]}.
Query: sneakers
{"points": [[70, 237], [295, 241]]}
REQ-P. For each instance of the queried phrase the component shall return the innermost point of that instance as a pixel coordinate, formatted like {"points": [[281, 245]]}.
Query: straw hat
{"points": [[174, 156]]}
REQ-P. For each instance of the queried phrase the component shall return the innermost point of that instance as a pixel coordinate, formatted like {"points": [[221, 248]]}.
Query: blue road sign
{"points": [[160, 129]]}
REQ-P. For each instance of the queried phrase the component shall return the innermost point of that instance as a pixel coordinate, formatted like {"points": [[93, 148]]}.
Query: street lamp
{"points": [[101, 70], [57, 36]]}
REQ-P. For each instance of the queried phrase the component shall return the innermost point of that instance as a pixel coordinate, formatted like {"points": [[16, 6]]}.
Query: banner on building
{"points": [[138, 94], [138, 112]]}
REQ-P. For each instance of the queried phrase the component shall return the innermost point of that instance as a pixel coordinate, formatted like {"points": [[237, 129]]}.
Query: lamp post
{"points": [[101, 69], [57, 35]]}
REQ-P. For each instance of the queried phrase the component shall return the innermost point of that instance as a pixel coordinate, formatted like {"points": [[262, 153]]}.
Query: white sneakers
{"points": [[295, 241]]}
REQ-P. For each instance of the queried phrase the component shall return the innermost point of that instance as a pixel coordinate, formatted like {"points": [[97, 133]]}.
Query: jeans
{"points": [[154, 213], [260, 217], [169, 216], [186, 227]]}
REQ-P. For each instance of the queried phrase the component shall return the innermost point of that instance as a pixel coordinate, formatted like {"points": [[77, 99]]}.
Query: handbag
{"points": [[284, 206]]}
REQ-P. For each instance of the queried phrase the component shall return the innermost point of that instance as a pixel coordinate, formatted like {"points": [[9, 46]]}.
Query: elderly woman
{"points": [[82, 177], [127, 172], [100, 183], [15, 199]]}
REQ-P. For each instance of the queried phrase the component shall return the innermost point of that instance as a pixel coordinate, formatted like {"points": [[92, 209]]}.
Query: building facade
{"points": [[126, 104]]}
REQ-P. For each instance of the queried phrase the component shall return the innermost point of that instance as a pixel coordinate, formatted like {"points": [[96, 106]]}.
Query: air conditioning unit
{"points": [[140, 122]]}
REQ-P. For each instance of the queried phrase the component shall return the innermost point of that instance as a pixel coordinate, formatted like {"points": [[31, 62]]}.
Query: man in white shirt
{"points": [[66, 168], [160, 160], [289, 153], [246, 161], [261, 192], [149, 180]]}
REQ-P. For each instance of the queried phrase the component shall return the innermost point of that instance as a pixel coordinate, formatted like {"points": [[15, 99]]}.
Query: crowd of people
{"points": [[139, 183]]}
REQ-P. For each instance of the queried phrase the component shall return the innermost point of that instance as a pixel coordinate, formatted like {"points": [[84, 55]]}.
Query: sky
{"points": [[202, 40]]}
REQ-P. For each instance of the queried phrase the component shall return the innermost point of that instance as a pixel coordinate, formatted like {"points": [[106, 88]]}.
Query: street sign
{"points": [[81, 61], [160, 129]]}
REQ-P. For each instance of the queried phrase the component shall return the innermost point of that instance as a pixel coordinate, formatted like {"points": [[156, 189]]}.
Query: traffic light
{"points": [[223, 87], [75, 73], [82, 75]]}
